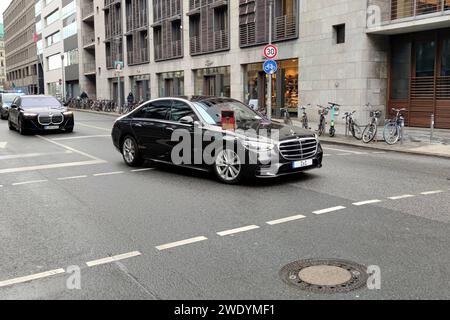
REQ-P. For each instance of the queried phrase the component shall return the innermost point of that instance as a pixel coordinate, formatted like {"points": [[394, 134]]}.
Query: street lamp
{"points": [[63, 77]]}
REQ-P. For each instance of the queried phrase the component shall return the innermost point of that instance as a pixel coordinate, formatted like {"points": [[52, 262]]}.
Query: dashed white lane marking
{"points": [[142, 170], [93, 127], [327, 155], [362, 203], [338, 208], [82, 137], [31, 277], [72, 178], [344, 154], [113, 259], [426, 193], [238, 230], [52, 166], [29, 182], [69, 148], [285, 220], [405, 196], [108, 174], [180, 243], [380, 152]]}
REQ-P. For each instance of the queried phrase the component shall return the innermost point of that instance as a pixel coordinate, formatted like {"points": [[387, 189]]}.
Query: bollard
{"points": [[432, 128]]}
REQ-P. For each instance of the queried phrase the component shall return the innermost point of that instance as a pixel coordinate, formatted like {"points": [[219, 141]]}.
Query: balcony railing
{"points": [[220, 40], [89, 67], [394, 11], [137, 57], [87, 10], [195, 45], [137, 20], [89, 39], [285, 27]]}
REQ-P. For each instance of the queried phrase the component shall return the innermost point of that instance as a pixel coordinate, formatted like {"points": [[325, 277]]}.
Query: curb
{"points": [[111, 114], [368, 146]]}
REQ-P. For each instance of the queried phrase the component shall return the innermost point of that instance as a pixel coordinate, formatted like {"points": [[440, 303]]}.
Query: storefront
{"points": [[114, 87], [419, 77], [213, 82], [140, 87], [285, 86], [171, 84]]}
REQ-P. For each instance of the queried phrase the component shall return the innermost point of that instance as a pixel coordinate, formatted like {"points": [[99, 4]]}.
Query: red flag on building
{"points": [[35, 37]]}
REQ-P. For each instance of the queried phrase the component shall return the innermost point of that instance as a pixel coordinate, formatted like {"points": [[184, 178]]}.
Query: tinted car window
{"points": [[156, 110], [181, 110], [39, 102]]}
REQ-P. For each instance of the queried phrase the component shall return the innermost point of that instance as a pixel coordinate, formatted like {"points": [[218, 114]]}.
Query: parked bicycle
{"points": [[304, 117], [351, 126], [371, 130], [323, 112], [393, 129], [334, 107]]}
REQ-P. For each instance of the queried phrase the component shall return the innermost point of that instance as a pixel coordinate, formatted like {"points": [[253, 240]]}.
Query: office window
{"points": [[339, 33]]}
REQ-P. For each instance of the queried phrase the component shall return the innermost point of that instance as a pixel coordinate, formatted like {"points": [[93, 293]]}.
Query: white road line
{"points": [[431, 192], [327, 155], [344, 154], [380, 152], [1, 186], [52, 166], [29, 182], [405, 196], [30, 155], [180, 243], [108, 174], [82, 137], [31, 277], [238, 230], [362, 203], [68, 148], [142, 170], [72, 178], [113, 259], [329, 210], [284, 220], [93, 127], [346, 151]]}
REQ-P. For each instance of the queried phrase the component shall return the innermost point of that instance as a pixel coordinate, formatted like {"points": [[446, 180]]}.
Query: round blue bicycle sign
{"points": [[270, 67]]}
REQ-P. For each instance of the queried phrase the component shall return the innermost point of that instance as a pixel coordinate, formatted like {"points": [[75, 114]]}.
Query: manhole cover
{"points": [[325, 276]]}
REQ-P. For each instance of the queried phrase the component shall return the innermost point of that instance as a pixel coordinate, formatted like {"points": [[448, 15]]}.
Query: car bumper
{"points": [[281, 167], [31, 124]]}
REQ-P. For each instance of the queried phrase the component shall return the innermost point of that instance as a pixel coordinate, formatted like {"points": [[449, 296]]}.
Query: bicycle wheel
{"points": [[321, 130], [391, 133], [356, 131], [370, 132]]}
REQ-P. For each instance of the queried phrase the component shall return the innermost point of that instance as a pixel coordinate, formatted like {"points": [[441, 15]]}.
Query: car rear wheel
{"points": [[130, 152], [228, 167]]}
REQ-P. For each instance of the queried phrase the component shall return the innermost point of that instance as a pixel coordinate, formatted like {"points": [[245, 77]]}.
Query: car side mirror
{"points": [[187, 120]]}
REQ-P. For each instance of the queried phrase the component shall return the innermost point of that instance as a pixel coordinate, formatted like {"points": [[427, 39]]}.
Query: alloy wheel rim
{"points": [[228, 165], [129, 150]]}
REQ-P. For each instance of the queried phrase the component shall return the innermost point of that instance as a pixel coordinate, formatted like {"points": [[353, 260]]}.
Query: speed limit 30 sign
{"points": [[270, 51]]}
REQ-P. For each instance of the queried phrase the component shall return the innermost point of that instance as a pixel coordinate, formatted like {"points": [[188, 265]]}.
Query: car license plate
{"points": [[51, 127], [302, 164]]}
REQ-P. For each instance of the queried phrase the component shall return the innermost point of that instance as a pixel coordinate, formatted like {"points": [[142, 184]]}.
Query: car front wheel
{"points": [[130, 152], [228, 167]]}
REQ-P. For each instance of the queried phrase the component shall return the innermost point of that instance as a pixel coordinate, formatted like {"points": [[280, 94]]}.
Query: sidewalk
{"points": [[416, 141]]}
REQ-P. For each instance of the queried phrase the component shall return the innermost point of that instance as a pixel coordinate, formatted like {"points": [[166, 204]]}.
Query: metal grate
{"points": [[298, 149]]}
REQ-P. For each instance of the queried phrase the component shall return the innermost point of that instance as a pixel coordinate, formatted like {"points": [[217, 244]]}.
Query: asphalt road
{"points": [[68, 200]]}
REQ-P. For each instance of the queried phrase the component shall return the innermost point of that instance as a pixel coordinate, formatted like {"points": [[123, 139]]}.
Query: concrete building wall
{"points": [[2, 59]]}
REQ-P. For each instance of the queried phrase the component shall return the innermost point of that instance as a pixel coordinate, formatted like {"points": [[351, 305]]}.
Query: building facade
{"points": [[22, 63], [2, 59]]}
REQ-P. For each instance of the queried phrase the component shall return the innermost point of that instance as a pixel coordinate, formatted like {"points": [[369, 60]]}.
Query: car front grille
{"points": [[48, 119], [299, 149]]}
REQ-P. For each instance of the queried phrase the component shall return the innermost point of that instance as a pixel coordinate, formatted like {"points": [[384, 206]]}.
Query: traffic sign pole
{"points": [[269, 90]]}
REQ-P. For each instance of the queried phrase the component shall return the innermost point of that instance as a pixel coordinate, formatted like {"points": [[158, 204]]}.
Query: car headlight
{"points": [[68, 113], [29, 114], [258, 146]]}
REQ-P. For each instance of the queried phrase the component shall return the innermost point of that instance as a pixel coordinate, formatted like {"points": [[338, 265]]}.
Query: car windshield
{"points": [[39, 102], [8, 98], [211, 111]]}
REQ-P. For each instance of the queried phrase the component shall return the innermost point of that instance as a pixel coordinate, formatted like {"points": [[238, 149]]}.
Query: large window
{"points": [[54, 62], [445, 58], [400, 69], [425, 58], [54, 16]]}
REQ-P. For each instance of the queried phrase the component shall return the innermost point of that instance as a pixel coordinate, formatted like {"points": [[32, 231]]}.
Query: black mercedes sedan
{"points": [[39, 113], [218, 134]]}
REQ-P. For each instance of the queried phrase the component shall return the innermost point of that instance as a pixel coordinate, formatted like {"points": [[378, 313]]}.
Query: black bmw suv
{"points": [[190, 132]]}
